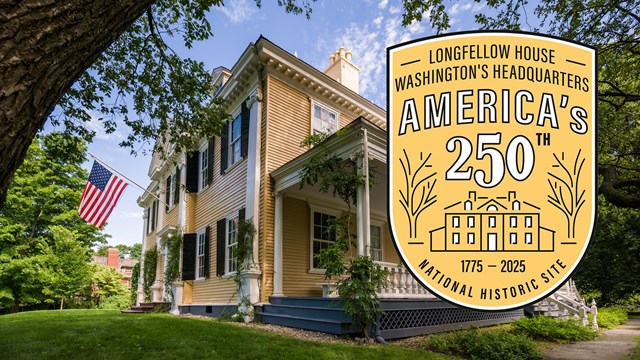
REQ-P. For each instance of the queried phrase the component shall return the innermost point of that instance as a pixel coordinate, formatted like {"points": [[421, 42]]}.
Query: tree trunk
{"points": [[45, 45]]}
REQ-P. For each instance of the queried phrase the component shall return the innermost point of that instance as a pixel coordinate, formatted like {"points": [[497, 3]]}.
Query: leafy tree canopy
{"points": [[43, 241]]}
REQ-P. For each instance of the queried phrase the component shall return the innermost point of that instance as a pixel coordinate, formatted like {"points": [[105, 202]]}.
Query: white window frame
{"points": [[456, 238], [513, 222], [471, 238], [200, 253], [455, 220], [203, 172], [312, 239], [492, 221], [528, 238], [229, 266], [471, 221], [380, 250], [234, 142], [172, 190], [314, 130], [527, 221]]}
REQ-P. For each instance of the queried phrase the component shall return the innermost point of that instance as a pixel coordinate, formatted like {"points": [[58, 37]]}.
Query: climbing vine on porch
{"points": [[246, 232], [149, 276], [358, 277], [172, 272]]}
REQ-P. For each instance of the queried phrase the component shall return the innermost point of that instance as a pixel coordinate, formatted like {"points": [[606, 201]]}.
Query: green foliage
{"points": [[107, 282], [610, 317], [40, 230], [550, 329], [135, 278], [125, 251], [611, 267], [155, 91], [172, 271], [485, 345], [246, 231], [358, 277], [149, 275], [115, 302], [107, 334]]}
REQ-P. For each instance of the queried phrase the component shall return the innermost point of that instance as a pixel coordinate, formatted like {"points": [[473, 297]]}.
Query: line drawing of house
{"points": [[482, 224]]}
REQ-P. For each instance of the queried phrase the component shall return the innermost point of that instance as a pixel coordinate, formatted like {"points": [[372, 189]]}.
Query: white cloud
{"points": [[383, 4], [96, 125], [368, 42], [394, 10], [239, 11]]}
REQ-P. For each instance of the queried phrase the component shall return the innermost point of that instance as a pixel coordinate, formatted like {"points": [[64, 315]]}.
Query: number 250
{"points": [[517, 172]]}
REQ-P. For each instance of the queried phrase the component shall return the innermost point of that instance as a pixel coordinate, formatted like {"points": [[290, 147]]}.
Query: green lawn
{"points": [[107, 334]]}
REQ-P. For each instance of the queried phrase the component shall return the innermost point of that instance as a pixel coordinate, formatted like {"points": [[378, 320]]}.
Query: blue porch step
{"points": [[316, 314]]}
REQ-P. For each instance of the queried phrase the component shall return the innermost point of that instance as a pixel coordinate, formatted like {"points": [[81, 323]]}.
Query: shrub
{"points": [[556, 330], [612, 316], [474, 344], [115, 302]]}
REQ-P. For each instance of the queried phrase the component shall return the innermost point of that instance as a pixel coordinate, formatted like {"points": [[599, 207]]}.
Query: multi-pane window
{"points": [[375, 233], [171, 189], [322, 237], [456, 238], [232, 244], [456, 221], [471, 238], [200, 258], [323, 120], [235, 132], [204, 167]]}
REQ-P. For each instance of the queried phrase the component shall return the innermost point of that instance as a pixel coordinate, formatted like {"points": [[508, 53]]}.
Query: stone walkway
{"points": [[615, 344]]}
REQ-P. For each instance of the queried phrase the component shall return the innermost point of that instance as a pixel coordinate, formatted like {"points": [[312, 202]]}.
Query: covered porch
{"points": [[302, 214]]}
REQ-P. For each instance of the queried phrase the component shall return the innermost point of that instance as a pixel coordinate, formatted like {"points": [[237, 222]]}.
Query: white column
{"points": [[277, 248], [140, 290], [252, 203], [363, 221], [182, 198]]}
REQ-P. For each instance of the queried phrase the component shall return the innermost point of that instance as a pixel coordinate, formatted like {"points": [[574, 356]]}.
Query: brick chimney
{"points": [[343, 70], [113, 256]]}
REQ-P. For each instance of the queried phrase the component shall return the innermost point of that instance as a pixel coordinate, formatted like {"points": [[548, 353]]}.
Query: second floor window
{"points": [[323, 120], [375, 233], [204, 167], [235, 132]]}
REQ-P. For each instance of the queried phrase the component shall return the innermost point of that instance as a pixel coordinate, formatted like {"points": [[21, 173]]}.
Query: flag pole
{"points": [[128, 179]]}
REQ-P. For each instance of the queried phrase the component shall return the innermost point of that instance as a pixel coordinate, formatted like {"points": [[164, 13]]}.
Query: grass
{"points": [[636, 353], [107, 334]]}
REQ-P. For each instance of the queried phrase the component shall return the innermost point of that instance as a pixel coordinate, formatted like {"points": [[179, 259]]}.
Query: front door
{"points": [[492, 240]]}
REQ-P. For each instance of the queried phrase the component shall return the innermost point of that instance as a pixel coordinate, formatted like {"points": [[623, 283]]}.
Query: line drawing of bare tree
{"points": [[416, 184], [566, 184]]}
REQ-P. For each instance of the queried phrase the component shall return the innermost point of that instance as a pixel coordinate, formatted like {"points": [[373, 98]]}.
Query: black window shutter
{"points": [[244, 131], [176, 189], [193, 167], [221, 229], [152, 215], [207, 251], [155, 213], [167, 194], [224, 148], [149, 219], [241, 214], [212, 143], [189, 257]]}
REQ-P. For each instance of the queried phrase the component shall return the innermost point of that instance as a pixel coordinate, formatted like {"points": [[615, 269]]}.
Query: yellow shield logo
{"points": [[492, 163]]}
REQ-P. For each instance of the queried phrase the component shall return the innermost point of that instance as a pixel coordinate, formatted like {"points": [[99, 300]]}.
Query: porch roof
{"points": [[346, 143]]}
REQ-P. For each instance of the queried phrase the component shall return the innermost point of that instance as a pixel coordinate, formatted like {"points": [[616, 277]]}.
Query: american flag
{"points": [[100, 195]]}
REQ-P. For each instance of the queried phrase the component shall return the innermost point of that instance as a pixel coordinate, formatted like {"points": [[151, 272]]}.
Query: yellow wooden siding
{"points": [[225, 195], [389, 253], [190, 215], [296, 279], [170, 218]]}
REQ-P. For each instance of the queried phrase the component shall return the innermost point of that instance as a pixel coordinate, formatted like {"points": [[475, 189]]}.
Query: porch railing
{"points": [[400, 284]]}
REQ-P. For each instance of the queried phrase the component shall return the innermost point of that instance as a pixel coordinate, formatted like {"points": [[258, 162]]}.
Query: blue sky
{"points": [[364, 27]]}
